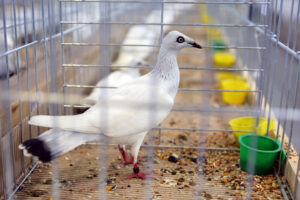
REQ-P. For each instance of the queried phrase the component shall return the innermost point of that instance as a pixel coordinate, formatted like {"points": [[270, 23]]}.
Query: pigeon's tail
{"points": [[66, 122], [54, 143]]}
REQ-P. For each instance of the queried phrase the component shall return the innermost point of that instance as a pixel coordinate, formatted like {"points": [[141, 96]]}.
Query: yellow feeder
{"points": [[214, 34], [221, 76], [249, 124], [205, 19], [217, 35], [224, 59], [234, 98]]}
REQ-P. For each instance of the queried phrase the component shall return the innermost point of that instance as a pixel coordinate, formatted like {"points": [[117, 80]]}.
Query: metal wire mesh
{"points": [[63, 47]]}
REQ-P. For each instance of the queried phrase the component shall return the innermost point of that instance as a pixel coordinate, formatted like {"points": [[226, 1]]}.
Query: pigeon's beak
{"points": [[194, 44]]}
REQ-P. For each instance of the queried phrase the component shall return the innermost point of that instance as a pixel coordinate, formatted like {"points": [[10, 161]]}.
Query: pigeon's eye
{"points": [[180, 39]]}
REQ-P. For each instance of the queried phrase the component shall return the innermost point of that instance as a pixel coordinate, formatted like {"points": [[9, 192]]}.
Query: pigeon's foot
{"points": [[128, 162], [126, 159], [138, 174]]}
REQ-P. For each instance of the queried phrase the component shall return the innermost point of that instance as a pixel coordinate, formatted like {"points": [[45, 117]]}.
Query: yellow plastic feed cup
{"points": [[224, 59], [206, 18], [217, 35], [234, 98], [249, 124], [221, 76]]}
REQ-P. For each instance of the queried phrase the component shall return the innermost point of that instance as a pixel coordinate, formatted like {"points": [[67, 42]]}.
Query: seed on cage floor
{"points": [[89, 176], [192, 183], [111, 188], [111, 180], [93, 170], [37, 193], [194, 158], [115, 165], [172, 122], [156, 161], [47, 181], [173, 158], [164, 170], [181, 179], [66, 183], [182, 137]]}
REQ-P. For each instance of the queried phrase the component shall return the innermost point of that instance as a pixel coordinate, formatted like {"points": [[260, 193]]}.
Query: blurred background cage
{"points": [[63, 47]]}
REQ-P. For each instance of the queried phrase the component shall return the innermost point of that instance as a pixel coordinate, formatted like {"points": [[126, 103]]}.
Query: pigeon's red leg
{"points": [[126, 160], [137, 173]]}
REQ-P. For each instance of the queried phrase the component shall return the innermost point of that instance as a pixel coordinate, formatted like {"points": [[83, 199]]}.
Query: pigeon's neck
{"points": [[166, 71]]}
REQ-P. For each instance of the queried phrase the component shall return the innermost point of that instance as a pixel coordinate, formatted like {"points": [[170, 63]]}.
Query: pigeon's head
{"points": [[176, 41], [137, 62]]}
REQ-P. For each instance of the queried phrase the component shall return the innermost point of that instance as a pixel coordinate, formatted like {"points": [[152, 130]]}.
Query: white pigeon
{"points": [[123, 118], [141, 35], [11, 58]]}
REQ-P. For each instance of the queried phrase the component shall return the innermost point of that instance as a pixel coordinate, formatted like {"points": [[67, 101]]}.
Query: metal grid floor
{"points": [[199, 174], [213, 178]]}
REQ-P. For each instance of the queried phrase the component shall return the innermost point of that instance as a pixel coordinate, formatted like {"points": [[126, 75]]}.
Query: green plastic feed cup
{"points": [[258, 153], [219, 43]]}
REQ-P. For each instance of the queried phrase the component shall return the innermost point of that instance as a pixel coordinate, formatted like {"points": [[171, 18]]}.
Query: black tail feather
{"points": [[37, 148]]}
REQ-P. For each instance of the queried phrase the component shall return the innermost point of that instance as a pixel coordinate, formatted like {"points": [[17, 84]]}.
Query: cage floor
{"points": [[215, 175], [198, 174]]}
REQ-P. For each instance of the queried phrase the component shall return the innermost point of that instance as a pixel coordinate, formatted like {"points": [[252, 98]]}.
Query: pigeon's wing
{"points": [[132, 109], [135, 108], [114, 79]]}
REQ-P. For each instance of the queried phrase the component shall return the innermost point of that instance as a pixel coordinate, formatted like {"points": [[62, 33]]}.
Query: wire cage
{"points": [[53, 52]]}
